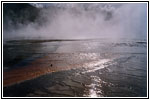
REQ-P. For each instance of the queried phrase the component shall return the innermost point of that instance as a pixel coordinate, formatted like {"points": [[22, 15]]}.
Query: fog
{"points": [[84, 21]]}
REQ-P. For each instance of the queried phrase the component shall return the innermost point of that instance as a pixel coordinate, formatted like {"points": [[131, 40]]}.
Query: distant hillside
{"points": [[19, 13]]}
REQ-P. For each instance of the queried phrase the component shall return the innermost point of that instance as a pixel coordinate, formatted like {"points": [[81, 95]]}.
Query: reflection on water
{"points": [[80, 68], [93, 66], [94, 89]]}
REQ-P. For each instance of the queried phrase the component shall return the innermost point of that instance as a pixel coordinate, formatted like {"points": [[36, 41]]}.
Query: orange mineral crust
{"points": [[47, 64]]}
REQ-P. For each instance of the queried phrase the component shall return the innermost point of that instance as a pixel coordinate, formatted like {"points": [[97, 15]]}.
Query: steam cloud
{"points": [[87, 20]]}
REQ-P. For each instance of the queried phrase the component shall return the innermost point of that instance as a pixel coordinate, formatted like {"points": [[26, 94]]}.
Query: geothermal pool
{"points": [[75, 68]]}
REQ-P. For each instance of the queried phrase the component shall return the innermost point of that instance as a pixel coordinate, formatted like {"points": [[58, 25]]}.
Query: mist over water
{"points": [[75, 50], [83, 21]]}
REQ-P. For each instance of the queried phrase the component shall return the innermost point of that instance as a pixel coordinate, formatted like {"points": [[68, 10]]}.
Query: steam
{"points": [[84, 21]]}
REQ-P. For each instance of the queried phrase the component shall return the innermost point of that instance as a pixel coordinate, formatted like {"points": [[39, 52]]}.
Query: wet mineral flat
{"points": [[87, 68]]}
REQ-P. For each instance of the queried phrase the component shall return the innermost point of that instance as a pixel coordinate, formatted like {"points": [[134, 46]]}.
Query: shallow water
{"points": [[83, 68]]}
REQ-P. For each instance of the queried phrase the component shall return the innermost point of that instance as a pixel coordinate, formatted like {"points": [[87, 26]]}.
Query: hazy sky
{"points": [[87, 20]]}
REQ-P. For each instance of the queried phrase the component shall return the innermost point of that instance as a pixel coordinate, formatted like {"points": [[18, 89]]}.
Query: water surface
{"points": [[75, 68]]}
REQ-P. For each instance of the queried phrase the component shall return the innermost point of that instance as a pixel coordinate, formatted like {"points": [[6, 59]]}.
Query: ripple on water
{"points": [[95, 88]]}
